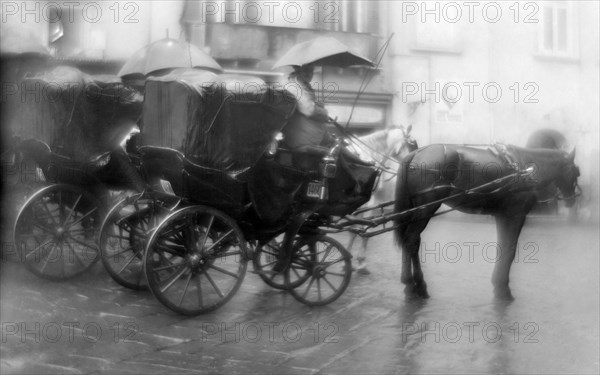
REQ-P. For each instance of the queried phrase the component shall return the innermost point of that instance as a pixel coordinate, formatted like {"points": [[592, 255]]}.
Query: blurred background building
{"points": [[460, 72]]}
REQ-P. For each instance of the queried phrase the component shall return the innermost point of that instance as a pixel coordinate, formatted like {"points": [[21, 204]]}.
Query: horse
{"points": [[480, 181], [381, 147]]}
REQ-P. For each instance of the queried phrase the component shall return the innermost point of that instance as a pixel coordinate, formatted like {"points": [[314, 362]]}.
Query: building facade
{"points": [[459, 72]]}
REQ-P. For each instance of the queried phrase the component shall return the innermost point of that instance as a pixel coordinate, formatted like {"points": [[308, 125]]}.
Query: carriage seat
{"points": [[190, 180], [176, 156]]}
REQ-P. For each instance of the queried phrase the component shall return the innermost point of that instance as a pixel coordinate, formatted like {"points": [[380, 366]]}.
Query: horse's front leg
{"points": [[362, 257], [412, 275], [508, 229], [406, 277]]}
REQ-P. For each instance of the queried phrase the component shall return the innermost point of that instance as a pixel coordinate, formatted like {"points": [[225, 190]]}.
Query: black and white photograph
{"points": [[300, 187]]}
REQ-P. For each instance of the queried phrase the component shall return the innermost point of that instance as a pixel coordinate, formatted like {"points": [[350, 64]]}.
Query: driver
{"points": [[308, 128]]}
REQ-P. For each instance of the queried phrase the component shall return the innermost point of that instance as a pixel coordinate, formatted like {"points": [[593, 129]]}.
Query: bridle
{"points": [[577, 192]]}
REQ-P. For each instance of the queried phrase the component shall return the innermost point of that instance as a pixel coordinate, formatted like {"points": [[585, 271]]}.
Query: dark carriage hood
{"points": [[77, 114], [220, 121]]}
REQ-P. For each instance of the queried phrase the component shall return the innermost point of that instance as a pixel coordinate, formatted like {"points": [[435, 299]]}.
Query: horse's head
{"points": [[399, 142], [567, 181]]}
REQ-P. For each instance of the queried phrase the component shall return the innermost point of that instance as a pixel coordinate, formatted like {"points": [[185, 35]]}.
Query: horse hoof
{"points": [[412, 292], [422, 292], [363, 271], [503, 295]]}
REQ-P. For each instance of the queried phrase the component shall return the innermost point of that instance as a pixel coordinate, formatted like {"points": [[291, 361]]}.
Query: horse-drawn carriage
{"points": [[220, 188]]}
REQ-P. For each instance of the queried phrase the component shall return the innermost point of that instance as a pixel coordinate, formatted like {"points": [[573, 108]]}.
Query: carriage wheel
{"points": [[123, 237], [329, 267], [196, 260], [56, 232], [265, 262]]}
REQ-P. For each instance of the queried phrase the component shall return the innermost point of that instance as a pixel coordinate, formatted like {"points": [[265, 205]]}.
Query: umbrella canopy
{"points": [[322, 51], [168, 53]]}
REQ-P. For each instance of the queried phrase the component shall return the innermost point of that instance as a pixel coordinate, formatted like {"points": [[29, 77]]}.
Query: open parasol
{"points": [[168, 53], [322, 51]]}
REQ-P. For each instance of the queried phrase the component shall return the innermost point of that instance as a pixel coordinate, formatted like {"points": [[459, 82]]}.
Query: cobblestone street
{"points": [[92, 325]]}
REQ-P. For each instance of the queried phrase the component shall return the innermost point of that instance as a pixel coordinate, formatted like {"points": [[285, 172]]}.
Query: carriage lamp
{"points": [[328, 166], [272, 150]]}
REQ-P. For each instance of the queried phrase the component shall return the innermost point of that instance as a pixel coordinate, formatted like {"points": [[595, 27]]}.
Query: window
{"points": [[557, 29]]}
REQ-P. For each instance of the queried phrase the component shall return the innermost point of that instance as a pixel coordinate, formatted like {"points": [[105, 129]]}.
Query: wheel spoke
{"points": [[163, 258], [174, 278], [45, 207], [38, 248], [42, 227], [327, 251], [83, 217], [268, 264], [91, 246], [134, 256], [77, 257], [329, 283], [296, 272], [336, 274], [212, 282], [319, 289], [187, 284], [163, 268], [268, 253], [223, 237], [47, 258], [226, 272], [208, 228], [312, 279], [329, 264], [199, 290], [72, 209], [120, 252], [120, 237]]}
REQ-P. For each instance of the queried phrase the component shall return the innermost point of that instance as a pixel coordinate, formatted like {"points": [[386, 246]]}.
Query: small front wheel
{"points": [[272, 269], [329, 268], [196, 260]]}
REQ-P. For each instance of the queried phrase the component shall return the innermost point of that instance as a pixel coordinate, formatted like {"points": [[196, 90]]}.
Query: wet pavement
{"points": [[91, 325]]}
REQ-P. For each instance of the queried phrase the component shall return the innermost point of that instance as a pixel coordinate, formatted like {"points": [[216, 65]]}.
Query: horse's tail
{"points": [[403, 201]]}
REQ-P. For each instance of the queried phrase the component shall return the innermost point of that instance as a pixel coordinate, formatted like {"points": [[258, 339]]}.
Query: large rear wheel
{"points": [[56, 231], [196, 260]]}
